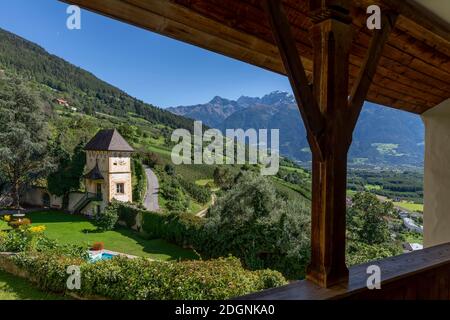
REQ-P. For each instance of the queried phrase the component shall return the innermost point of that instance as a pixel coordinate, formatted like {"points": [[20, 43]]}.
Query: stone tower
{"points": [[108, 167]]}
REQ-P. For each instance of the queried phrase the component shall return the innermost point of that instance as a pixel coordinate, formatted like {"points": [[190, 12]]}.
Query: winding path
{"points": [[151, 198]]}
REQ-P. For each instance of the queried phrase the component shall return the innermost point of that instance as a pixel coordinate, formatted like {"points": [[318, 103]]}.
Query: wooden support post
{"points": [[332, 38], [329, 120]]}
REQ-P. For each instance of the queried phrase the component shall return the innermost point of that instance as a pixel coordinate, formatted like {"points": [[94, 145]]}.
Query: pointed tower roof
{"points": [[108, 140]]}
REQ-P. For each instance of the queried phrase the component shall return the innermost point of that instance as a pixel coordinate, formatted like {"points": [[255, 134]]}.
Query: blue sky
{"points": [[148, 66]]}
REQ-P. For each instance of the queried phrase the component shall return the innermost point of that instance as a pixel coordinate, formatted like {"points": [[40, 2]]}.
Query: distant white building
{"points": [[412, 246]]}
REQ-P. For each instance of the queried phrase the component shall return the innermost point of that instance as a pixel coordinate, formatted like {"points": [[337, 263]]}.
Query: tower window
{"points": [[120, 188]]}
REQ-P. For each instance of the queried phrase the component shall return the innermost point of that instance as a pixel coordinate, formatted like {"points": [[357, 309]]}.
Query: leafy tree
{"points": [[169, 169], [360, 252], [68, 174], [24, 155], [151, 159], [172, 192], [251, 222], [366, 219], [199, 193], [224, 177], [130, 133], [108, 218]]}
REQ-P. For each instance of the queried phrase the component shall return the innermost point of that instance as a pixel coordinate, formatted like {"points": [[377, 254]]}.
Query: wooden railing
{"points": [[421, 274]]}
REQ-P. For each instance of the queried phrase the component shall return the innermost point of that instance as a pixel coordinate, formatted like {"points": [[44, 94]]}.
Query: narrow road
{"points": [[151, 198]]}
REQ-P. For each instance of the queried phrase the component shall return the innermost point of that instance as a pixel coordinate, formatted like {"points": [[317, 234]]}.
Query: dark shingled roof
{"points": [[108, 140], [94, 174]]}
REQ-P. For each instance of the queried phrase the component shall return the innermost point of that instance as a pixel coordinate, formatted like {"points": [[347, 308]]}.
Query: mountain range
{"points": [[383, 136]]}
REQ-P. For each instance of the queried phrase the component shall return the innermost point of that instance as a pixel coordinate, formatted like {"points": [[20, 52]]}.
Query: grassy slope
{"points": [[78, 230], [409, 206], [15, 288]]}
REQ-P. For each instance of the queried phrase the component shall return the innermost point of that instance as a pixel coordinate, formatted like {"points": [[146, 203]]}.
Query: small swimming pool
{"points": [[98, 256]]}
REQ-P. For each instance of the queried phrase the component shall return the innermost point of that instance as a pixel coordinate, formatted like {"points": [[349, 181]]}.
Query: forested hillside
{"points": [[80, 88]]}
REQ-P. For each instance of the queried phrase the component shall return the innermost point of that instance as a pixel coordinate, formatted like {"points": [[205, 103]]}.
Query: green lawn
{"points": [[15, 288], [413, 237], [66, 228], [409, 206], [204, 182], [372, 187]]}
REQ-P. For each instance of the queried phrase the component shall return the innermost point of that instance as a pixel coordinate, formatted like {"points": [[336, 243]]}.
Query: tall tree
{"points": [[24, 156], [367, 219], [67, 176]]}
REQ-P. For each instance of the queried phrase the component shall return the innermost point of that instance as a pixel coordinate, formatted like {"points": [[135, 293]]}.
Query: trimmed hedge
{"points": [[141, 279], [183, 229], [140, 186], [127, 213]]}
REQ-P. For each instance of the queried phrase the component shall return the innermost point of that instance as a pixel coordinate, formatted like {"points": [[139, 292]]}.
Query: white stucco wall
{"points": [[437, 175], [74, 197], [33, 197]]}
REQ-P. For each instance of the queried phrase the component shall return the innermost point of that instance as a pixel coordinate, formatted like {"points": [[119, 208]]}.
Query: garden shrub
{"points": [[360, 252], [19, 223], [48, 270], [108, 218], [142, 279], [14, 241], [200, 194], [171, 190], [179, 228], [128, 213], [140, 181], [29, 240]]}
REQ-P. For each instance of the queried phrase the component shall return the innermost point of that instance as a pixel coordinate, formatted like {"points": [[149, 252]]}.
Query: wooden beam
{"points": [[312, 117], [177, 22], [415, 13], [332, 39], [367, 72]]}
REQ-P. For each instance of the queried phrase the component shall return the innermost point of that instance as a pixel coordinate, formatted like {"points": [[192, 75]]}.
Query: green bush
{"points": [[182, 229], [198, 193], [172, 192], [359, 252], [24, 240], [140, 181], [108, 218], [47, 269], [142, 279], [127, 212], [14, 241]]}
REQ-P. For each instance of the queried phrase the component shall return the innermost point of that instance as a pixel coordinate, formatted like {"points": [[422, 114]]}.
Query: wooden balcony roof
{"points": [[413, 73]]}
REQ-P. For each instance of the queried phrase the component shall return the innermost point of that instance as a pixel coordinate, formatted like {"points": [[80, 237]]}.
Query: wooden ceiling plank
{"points": [[369, 67], [422, 34], [428, 22], [233, 43]]}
